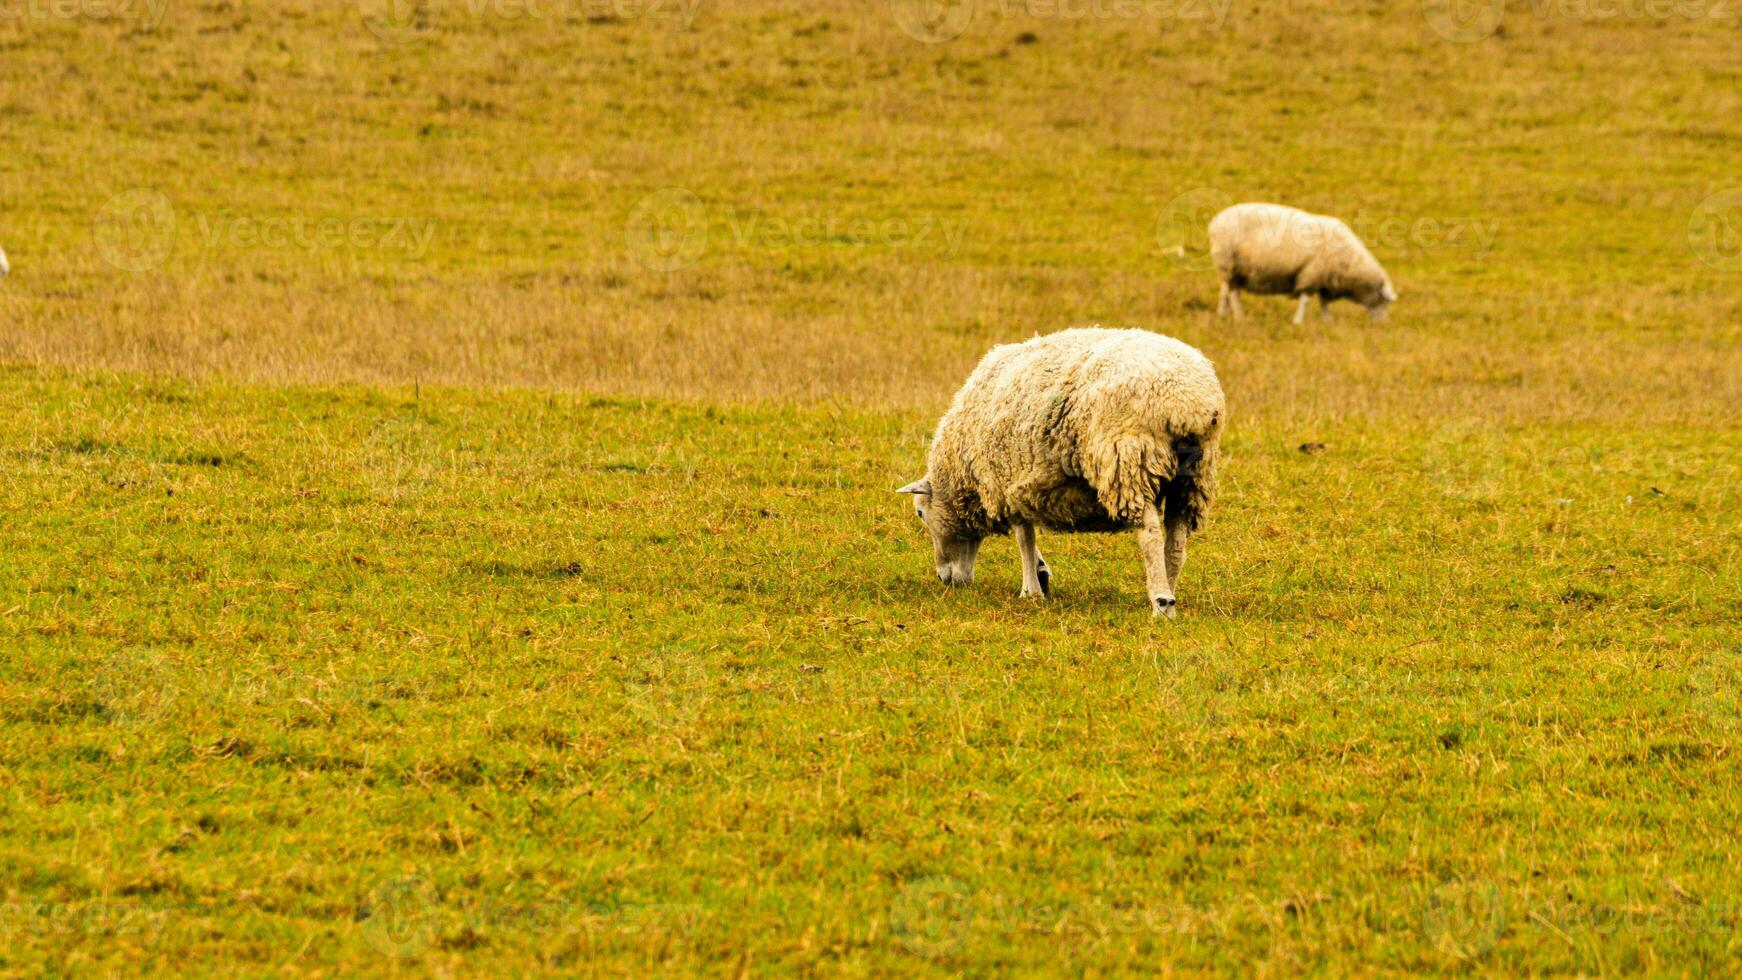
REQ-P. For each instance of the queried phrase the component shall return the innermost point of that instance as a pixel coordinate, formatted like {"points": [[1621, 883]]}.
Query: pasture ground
{"points": [[445, 524]]}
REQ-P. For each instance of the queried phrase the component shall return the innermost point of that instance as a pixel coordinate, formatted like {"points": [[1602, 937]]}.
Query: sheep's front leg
{"points": [[1324, 308], [1152, 538], [1036, 578], [1177, 533], [1300, 311]]}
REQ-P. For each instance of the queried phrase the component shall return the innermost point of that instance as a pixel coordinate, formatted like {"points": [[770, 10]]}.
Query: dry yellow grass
{"points": [[870, 212], [936, 325]]}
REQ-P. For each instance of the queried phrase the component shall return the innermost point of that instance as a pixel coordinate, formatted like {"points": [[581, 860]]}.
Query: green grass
{"points": [[577, 682]]}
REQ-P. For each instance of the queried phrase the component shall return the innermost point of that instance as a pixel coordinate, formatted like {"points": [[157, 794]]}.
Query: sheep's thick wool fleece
{"points": [[1081, 430], [1271, 248]]}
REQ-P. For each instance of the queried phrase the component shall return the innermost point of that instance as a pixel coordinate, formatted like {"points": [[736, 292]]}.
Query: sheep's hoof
{"points": [[1045, 579], [1032, 594], [1164, 607]]}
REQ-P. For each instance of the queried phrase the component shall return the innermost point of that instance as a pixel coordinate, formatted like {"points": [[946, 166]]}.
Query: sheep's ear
{"points": [[917, 486]]}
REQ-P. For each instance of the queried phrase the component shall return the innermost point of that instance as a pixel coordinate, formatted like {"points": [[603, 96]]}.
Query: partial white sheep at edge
{"points": [[1269, 249], [4, 267], [1090, 430]]}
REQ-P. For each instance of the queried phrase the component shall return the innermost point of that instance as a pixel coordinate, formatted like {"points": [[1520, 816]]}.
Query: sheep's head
{"points": [[953, 550], [1378, 301]]}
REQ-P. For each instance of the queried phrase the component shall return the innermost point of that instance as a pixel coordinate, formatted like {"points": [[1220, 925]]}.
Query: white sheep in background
{"points": [[1082, 431], [1268, 249]]}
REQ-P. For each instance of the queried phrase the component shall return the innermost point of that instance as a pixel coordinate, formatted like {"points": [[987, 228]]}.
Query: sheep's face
{"points": [[1379, 301], [954, 553]]}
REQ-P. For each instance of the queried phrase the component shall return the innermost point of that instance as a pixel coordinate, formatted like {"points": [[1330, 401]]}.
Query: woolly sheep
{"points": [[1269, 249], [1090, 430]]}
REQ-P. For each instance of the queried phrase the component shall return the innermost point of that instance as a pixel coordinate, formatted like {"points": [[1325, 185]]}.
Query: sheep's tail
{"points": [[1177, 475], [1187, 494]]}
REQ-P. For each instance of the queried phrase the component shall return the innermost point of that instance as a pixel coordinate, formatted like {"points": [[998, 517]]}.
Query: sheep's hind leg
{"points": [[1152, 538], [1036, 578], [1324, 308], [1230, 304], [1300, 311]]}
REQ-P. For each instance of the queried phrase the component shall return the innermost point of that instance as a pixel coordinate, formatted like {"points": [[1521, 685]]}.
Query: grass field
{"points": [[446, 524]]}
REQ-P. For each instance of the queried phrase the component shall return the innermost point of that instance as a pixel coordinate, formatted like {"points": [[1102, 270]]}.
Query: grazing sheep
{"points": [[1081, 431], [1269, 249]]}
